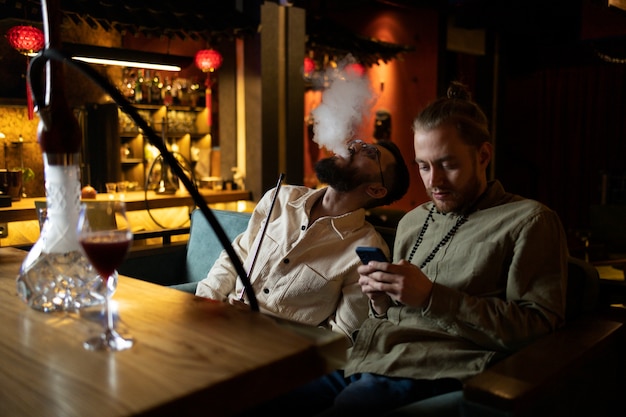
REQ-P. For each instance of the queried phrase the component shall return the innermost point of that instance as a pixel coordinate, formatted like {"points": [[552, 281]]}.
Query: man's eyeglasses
{"points": [[371, 151]]}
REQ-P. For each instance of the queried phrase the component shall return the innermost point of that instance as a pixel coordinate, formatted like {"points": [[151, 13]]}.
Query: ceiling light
{"points": [[144, 65], [126, 57]]}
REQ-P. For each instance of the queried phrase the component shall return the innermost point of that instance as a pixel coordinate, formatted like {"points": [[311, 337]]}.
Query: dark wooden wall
{"points": [[557, 103]]}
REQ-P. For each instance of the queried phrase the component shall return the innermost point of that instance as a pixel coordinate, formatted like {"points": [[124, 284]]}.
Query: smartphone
{"points": [[370, 253]]}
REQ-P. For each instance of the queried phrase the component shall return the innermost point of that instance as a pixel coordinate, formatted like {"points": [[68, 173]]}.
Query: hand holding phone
{"points": [[370, 253]]}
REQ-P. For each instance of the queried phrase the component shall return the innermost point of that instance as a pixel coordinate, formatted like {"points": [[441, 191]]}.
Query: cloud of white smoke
{"points": [[345, 103]]}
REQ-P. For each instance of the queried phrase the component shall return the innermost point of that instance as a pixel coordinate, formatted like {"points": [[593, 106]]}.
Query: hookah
{"points": [[55, 276]]}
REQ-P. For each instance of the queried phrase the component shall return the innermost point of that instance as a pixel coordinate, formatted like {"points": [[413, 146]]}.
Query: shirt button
{"points": [[286, 260], [266, 290], [303, 227]]}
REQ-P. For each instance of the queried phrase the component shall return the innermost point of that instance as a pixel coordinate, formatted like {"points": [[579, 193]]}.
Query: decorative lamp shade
{"points": [[309, 66], [208, 60], [27, 40], [355, 69]]}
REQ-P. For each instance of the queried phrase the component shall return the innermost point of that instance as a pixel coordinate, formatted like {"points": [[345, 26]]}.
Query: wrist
{"points": [[377, 311]]}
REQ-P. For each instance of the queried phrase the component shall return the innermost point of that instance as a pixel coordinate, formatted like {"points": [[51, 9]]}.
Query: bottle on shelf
{"points": [[139, 87], [156, 86], [147, 87], [167, 95]]}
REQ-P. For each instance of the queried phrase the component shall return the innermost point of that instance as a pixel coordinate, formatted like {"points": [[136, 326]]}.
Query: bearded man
{"points": [[306, 266]]}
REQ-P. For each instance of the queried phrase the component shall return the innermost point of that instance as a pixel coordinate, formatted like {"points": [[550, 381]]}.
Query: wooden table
{"points": [[192, 356], [135, 200]]}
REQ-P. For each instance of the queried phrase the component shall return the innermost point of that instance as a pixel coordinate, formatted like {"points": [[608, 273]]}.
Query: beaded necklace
{"points": [[462, 219]]}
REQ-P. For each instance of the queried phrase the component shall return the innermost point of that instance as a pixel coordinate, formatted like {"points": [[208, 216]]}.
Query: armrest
{"points": [[574, 371]]}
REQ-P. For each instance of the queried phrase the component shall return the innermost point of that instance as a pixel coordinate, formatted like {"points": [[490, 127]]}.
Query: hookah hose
{"points": [[35, 69], [267, 221]]}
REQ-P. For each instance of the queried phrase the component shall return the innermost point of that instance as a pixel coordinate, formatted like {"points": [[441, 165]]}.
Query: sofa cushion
{"points": [[204, 247]]}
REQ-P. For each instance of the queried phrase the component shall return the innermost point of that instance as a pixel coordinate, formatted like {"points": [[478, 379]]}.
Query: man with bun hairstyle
{"points": [[478, 273]]}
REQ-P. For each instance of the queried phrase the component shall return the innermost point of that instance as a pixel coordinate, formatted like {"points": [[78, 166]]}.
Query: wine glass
{"points": [[105, 236]]}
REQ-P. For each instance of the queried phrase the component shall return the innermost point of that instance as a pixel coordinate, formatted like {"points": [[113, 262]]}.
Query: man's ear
{"points": [[376, 191], [485, 153]]}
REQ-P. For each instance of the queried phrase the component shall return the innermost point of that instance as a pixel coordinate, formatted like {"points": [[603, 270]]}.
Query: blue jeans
{"points": [[357, 395]]}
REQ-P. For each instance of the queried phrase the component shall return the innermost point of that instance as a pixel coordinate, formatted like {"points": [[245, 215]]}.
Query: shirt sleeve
{"points": [[353, 306], [221, 279], [533, 303]]}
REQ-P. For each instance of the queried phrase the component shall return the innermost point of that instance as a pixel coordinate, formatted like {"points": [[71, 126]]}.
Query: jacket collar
{"points": [[343, 224]]}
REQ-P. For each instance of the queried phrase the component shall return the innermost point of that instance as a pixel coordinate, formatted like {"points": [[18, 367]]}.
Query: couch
{"points": [[182, 265]]}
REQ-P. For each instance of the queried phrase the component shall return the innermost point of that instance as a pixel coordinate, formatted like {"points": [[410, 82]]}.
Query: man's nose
{"points": [[436, 177]]}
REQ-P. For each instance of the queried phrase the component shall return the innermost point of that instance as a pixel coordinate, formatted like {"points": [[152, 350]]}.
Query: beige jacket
{"points": [[303, 274]]}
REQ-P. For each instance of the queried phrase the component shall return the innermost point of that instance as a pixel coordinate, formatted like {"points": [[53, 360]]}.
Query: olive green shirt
{"points": [[499, 283]]}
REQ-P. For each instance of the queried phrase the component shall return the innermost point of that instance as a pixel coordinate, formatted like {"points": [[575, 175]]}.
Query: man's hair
{"points": [[458, 110], [396, 175]]}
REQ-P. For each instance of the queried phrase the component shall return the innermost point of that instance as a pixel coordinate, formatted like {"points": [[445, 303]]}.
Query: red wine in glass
{"points": [[106, 250], [105, 236]]}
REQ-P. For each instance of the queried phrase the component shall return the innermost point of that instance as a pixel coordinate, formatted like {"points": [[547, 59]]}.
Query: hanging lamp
{"points": [[27, 40], [309, 67], [355, 68], [208, 60]]}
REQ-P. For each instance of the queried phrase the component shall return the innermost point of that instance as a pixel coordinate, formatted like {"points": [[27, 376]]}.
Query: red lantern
{"points": [[208, 60], [27, 40], [309, 66], [355, 69]]}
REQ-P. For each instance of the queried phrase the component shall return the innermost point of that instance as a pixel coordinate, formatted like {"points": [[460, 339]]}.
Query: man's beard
{"points": [[341, 178], [463, 199]]}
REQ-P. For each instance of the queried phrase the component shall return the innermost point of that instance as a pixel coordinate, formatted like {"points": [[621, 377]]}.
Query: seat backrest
{"points": [[384, 216], [608, 228], [204, 247], [389, 234], [582, 288]]}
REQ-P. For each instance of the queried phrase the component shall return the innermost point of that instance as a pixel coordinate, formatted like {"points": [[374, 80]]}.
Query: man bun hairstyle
{"points": [[458, 91], [456, 109]]}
